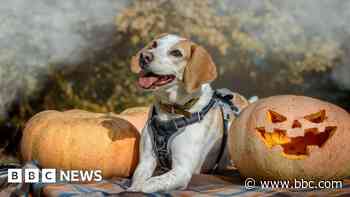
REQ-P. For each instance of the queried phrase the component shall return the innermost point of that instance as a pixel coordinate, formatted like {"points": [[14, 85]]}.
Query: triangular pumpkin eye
{"points": [[318, 117], [275, 117]]}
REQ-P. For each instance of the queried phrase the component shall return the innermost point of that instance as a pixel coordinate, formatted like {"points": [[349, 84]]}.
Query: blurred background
{"points": [[75, 54]]}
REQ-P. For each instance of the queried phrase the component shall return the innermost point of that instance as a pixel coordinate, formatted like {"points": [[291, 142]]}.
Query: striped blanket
{"points": [[225, 184]]}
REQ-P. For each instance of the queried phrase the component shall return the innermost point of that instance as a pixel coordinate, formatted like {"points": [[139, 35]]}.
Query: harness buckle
{"points": [[199, 116], [174, 122]]}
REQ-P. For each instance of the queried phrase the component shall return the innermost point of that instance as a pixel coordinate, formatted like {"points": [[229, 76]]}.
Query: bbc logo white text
{"points": [[49, 175]]}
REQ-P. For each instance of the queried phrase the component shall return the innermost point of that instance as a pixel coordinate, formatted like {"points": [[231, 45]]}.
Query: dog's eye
{"points": [[154, 45], [176, 53]]}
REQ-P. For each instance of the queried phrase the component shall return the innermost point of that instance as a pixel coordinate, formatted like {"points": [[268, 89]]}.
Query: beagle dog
{"points": [[184, 132]]}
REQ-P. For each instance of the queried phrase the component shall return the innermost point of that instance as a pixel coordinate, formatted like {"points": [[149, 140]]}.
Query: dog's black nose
{"points": [[145, 59]]}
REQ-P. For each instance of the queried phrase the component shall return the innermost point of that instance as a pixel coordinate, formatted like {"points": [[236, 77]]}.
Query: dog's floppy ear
{"points": [[199, 70]]}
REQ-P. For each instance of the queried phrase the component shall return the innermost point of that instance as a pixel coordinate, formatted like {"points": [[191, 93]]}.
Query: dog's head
{"points": [[172, 60]]}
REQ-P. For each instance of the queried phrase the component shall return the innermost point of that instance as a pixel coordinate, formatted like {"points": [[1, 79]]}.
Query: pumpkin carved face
{"points": [[291, 137], [296, 147]]}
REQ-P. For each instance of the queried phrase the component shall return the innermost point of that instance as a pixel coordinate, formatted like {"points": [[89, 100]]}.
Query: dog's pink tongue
{"points": [[146, 81]]}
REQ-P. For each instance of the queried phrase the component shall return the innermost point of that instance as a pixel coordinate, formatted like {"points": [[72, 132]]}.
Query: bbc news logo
{"points": [[49, 175]]}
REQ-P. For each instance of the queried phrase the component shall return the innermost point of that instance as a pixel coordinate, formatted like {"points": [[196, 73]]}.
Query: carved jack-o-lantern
{"points": [[315, 133], [292, 137]]}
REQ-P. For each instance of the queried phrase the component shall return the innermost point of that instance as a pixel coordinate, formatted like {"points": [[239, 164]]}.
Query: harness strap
{"points": [[222, 146], [163, 130], [171, 126]]}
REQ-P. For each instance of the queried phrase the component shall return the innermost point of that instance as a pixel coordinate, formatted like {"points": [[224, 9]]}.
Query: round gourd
{"points": [[82, 140], [291, 137], [136, 116]]}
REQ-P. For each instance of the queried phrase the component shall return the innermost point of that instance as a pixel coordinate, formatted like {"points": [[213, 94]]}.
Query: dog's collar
{"points": [[179, 109]]}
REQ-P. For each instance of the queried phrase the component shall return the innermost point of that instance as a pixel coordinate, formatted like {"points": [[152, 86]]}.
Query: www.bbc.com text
{"points": [[250, 183]]}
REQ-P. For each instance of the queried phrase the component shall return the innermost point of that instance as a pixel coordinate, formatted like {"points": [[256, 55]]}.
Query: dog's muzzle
{"points": [[145, 59]]}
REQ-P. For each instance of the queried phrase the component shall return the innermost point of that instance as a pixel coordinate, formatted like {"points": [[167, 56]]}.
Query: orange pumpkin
{"points": [[291, 137], [136, 116], [78, 139]]}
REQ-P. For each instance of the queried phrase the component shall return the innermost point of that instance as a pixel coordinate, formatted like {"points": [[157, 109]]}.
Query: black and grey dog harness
{"points": [[164, 131]]}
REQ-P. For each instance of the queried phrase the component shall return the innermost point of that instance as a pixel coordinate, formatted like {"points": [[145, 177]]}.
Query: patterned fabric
{"points": [[229, 184]]}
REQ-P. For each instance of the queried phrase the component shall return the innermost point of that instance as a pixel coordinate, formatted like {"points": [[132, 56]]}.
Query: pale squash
{"points": [[291, 137]]}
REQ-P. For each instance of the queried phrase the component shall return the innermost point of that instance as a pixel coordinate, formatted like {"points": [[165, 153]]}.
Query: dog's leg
{"points": [[189, 150], [176, 178], [185, 162], [147, 163]]}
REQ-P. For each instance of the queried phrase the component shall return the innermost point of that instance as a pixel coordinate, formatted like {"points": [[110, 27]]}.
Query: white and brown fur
{"points": [[196, 148]]}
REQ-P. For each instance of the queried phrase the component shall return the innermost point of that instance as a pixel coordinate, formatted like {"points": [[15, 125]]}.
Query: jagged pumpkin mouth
{"points": [[296, 147]]}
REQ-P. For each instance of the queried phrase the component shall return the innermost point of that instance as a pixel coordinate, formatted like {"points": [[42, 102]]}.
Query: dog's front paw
{"points": [[154, 184], [135, 187]]}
